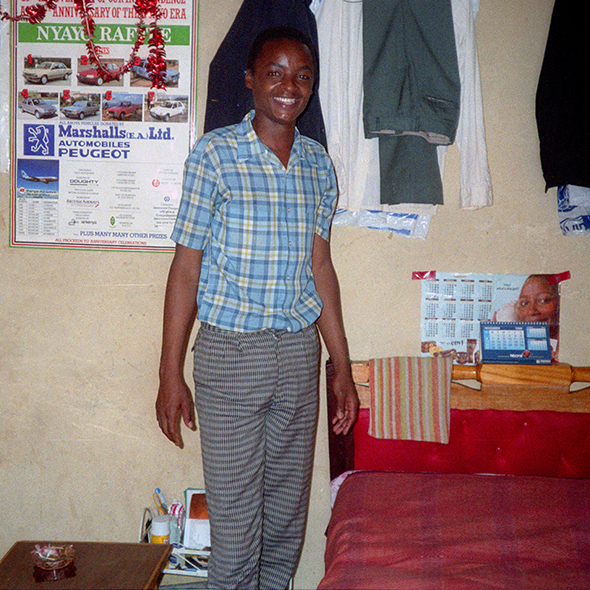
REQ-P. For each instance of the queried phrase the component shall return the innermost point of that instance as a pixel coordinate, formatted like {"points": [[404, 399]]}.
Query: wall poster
{"points": [[95, 163], [454, 304], [4, 97]]}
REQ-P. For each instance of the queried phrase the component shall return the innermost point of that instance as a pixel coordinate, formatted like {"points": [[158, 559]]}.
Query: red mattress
{"points": [[431, 531]]}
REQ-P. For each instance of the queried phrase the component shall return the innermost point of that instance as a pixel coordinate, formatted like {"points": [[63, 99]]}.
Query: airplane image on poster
{"points": [[43, 179], [33, 176]]}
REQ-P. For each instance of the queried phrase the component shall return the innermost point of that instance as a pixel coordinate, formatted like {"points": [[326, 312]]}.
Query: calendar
{"points": [[453, 306], [515, 342]]}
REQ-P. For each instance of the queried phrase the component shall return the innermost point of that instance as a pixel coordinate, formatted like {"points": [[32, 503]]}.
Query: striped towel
{"points": [[410, 398]]}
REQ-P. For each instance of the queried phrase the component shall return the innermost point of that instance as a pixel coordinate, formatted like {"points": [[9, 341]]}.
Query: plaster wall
{"points": [[80, 451]]}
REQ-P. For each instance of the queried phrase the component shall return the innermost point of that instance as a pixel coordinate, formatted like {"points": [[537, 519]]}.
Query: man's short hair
{"points": [[283, 32]]}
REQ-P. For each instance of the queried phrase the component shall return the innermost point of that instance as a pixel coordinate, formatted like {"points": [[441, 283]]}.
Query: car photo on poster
{"points": [[171, 109], [41, 105], [121, 107], [80, 106], [141, 75], [47, 70], [91, 75]]}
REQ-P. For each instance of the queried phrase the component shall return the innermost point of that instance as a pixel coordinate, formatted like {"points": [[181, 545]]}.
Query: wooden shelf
{"points": [[506, 387]]}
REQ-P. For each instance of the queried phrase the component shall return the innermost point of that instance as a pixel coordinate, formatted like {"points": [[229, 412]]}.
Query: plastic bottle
{"points": [[161, 530]]}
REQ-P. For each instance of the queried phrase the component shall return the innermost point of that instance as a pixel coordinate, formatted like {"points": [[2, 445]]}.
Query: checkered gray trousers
{"points": [[257, 402]]}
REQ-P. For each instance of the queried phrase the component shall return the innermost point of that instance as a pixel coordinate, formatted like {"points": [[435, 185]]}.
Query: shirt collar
{"points": [[249, 144]]}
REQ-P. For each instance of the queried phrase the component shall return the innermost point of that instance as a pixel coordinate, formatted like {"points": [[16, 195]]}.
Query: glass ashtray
{"points": [[53, 557]]}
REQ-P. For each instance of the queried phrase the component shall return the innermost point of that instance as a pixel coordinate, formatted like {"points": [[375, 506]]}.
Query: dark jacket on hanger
{"points": [[562, 111]]}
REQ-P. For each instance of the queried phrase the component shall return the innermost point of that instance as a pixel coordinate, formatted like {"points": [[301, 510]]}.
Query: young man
{"points": [[253, 258]]}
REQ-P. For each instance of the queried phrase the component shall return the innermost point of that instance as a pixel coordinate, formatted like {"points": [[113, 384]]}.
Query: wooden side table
{"points": [[96, 566]]}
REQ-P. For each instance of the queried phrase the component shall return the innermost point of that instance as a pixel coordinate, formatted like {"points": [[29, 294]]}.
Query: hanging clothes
{"points": [[356, 158], [475, 179], [563, 118], [228, 99], [411, 93], [411, 76]]}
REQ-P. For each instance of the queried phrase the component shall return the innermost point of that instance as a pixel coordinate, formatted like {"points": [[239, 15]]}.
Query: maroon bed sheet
{"points": [[431, 531]]}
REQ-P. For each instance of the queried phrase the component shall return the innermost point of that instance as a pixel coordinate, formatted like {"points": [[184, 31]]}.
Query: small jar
{"points": [[161, 530]]}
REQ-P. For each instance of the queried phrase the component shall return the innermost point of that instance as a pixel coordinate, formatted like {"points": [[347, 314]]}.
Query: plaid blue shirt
{"points": [[255, 222]]}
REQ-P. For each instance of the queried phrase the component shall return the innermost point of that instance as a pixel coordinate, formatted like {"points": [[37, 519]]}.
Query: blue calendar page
{"points": [[515, 342]]}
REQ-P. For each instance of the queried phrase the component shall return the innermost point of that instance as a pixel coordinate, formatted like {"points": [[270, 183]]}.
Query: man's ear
{"points": [[248, 79]]}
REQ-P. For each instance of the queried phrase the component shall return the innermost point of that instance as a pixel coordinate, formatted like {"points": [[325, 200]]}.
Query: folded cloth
{"points": [[410, 398]]}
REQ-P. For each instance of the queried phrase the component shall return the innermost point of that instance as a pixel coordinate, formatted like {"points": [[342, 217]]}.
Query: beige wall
{"points": [[80, 451]]}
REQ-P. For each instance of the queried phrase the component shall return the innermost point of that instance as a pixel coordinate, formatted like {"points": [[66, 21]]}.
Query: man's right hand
{"points": [[174, 397], [174, 400]]}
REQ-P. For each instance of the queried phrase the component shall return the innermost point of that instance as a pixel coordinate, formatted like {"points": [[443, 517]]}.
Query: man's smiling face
{"points": [[281, 81]]}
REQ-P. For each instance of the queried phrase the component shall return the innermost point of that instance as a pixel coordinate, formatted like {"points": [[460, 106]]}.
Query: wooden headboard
{"points": [[516, 406]]}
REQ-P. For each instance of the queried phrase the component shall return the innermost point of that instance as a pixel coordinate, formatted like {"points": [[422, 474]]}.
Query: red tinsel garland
{"points": [[146, 10], [34, 14]]}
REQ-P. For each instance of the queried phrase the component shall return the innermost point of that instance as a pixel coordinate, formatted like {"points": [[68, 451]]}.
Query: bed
{"points": [[504, 505]]}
